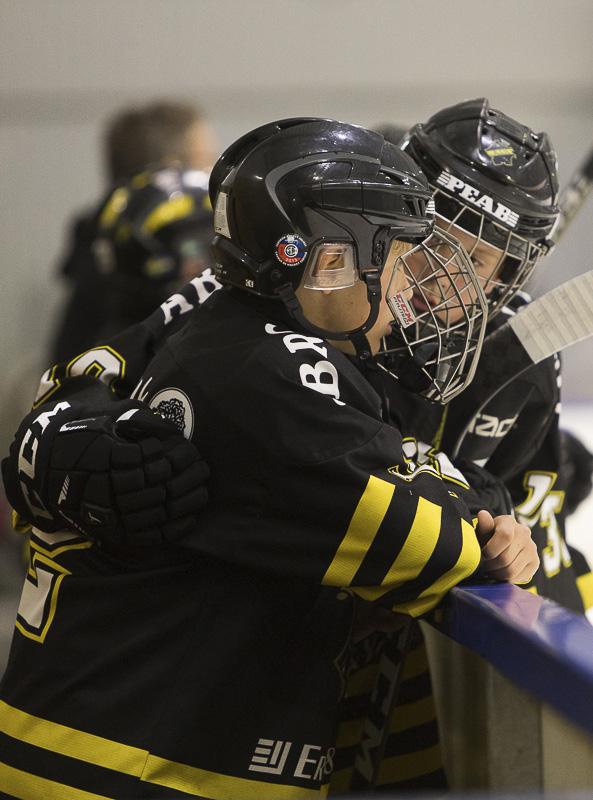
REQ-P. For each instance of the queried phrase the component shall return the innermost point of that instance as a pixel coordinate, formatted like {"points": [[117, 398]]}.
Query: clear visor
{"points": [[440, 314], [331, 266]]}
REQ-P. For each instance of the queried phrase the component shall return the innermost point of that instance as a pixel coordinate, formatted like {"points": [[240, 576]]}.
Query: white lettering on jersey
{"points": [[271, 755], [541, 505], [477, 198], [490, 426], [141, 390], [204, 285], [323, 377]]}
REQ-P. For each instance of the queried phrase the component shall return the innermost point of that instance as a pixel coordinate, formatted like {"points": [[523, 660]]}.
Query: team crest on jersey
{"points": [[501, 153], [291, 250], [174, 406]]}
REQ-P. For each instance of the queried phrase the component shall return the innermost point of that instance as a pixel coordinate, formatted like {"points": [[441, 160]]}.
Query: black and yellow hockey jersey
{"points": [[216, 669]]}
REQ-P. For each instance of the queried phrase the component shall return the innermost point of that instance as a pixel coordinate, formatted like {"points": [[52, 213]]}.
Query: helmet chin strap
{"points": [[372, 278]]}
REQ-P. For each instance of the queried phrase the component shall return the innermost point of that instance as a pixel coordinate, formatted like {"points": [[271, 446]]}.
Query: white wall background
{"points": [[65, 65]]}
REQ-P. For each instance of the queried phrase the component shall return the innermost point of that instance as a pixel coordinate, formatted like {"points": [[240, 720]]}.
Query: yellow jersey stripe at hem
{"points": [[363, 528], [71, 742], [25, 786], [138, 763], [216, 786]]}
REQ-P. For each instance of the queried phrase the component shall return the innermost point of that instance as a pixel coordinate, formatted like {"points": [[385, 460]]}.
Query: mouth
{"points": [[421, 303]]}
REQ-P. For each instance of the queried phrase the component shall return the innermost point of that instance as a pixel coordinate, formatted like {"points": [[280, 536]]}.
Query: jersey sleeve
{"points": [[308, 482], [111, 369], [92, 383]]}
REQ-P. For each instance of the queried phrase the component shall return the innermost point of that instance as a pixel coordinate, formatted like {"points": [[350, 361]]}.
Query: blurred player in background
{"points": [[135, 139]]}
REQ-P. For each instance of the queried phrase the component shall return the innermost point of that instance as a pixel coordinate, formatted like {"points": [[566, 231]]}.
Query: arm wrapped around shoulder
{"points": [[124, 475]]}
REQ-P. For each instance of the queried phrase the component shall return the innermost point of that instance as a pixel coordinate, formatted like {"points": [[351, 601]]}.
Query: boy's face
{"points": [[448, 295], [348, 309]]}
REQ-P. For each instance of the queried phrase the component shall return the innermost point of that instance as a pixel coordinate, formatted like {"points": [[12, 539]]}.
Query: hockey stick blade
{"points": [[574, 195], [553, 322]]}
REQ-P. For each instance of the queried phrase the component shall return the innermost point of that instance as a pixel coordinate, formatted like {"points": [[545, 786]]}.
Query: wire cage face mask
{"points": [[502, 259], [440, 318]]}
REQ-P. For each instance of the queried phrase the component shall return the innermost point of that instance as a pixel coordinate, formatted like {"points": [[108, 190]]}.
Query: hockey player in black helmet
{"points": [[495, 187], [228, 655], [332, 217]]}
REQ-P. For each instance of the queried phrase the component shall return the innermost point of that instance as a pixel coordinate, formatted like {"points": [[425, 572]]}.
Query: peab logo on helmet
{"points": [[291, 250]]}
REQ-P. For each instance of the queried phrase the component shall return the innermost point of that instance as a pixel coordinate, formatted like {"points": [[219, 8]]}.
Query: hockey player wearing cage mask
{"points": [[495, 188], [315, 502]]}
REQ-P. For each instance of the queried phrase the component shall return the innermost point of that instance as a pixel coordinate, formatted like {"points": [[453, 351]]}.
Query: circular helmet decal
{"points": [[174, 406], [291, 250]]}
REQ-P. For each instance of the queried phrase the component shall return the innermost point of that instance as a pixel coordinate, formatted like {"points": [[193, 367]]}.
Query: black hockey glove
{"points": [[486, 490], [128, 478]]}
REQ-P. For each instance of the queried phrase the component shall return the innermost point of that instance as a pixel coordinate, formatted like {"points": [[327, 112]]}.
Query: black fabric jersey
{"points": [[216, 669], [516, 437]]}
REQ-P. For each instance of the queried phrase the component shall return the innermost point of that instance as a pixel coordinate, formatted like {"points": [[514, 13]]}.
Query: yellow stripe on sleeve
{"points": [[468, 561], [168, 212], [365, 523], [415, 553], [585, 587]]}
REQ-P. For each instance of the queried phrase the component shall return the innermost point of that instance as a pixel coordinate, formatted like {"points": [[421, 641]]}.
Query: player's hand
{"points": [[126, 476], [508, 551]]}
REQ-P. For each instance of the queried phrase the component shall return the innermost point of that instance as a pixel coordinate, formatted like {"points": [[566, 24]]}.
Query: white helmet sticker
{"points": [[221, 224]]}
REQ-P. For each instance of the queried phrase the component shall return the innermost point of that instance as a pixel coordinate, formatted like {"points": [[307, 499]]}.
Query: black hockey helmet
{"points": [[148, 228], [285, 188], [495, 179], [295, 194]]}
